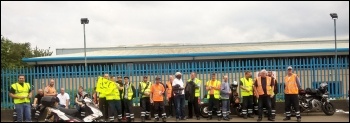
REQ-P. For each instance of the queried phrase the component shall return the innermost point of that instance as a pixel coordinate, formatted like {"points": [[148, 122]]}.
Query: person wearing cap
{"points": [[120, 82], [128, 94], [246, 87], [213, 87], [179, 96], [273, 100], [101, 87], [144, 91], [263, 87], [192, 94], [291, 91], [114, 100], [157, 98]]}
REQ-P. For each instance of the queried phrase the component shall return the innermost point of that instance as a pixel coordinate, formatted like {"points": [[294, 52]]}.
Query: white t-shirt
{"points": [[63, 98], [180, 82]]}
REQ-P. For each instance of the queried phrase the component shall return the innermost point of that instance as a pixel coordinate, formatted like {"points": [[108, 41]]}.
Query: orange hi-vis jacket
{"points": [[291, 86]]}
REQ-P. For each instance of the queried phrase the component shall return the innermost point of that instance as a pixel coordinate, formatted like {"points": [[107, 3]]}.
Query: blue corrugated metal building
{"points": [[312, 60]]}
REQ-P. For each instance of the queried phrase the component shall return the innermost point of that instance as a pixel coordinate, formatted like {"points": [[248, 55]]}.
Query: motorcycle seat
{"points": [[310, 91], [71, 112]]}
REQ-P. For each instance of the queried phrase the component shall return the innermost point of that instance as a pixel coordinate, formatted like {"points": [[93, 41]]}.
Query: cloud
{"points": [[57, 24]]}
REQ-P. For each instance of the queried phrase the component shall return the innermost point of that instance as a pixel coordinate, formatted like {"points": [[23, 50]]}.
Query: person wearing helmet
{"points": [[225, 98]]}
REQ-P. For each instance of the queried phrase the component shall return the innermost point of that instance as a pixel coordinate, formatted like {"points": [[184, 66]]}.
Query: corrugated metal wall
{"points": [[312, 70]]}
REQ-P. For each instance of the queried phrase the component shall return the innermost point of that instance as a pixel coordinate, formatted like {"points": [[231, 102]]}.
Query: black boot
{"points": [[156, 119], [198, 118], [298, 119], [270, 119], [164, 119], [287, 118], [142, 118], [128, 119], [259, 119], [226, 118], [245, 116], [210, 117], [219, 118]]}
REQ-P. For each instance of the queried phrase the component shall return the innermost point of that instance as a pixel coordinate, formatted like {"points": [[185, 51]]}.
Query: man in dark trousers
{"points": [[246, 87], [121, 84], [291, 91], [273, 99], [192, 93], [144, 90], [263, 87]]}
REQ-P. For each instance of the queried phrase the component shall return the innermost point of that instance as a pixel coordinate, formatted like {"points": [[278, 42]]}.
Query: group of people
{"points": [[115, 97]]}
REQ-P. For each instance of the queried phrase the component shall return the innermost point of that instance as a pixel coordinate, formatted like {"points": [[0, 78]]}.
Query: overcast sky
{"points": [[57, 24]]}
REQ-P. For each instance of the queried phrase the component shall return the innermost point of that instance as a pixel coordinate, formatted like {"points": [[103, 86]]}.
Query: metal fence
{"points": [[312, 71]]}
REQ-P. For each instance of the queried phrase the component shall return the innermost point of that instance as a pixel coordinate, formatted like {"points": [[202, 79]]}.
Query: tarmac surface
{"points": [[311, 117]]}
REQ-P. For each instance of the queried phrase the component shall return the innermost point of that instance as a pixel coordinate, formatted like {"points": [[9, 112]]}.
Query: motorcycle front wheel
{"points": [[328, 109], [204, 110]]}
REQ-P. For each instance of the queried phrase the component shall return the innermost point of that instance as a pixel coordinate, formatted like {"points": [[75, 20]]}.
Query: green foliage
{"points": [[12, 53]]}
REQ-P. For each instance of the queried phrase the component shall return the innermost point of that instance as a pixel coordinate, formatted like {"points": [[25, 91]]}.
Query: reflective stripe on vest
{"points": [[216, 92], [148, 90], [197, 91], [291, 85], [115, 95], [248, 84], [169, 90], [260, 89], [130, 93], [21, 91]]}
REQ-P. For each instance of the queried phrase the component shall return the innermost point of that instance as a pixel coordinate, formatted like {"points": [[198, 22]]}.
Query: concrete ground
{"points": [[311, 117], [314, 117]]}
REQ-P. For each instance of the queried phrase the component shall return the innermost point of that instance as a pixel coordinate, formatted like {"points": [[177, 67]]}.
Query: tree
{"points": [[12, 53]]}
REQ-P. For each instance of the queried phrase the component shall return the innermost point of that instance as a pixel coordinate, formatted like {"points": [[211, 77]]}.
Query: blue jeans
{"points": [[21, 109], [180, 106], [225, 106]]}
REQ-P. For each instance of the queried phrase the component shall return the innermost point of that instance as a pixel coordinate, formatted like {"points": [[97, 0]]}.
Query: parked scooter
{"points": [[69, 115]]}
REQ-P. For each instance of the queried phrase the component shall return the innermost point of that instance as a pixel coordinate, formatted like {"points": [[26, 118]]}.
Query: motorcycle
{"points": [[235, 104], [315, 100], [68, 115]]}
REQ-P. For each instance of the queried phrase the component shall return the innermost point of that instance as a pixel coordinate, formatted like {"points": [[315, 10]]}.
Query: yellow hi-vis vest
{"points": [[216, 92], [112, 92], [248, 84], [21, 91], [130, 92], [101, 86], [147, 90], [197, 91]]}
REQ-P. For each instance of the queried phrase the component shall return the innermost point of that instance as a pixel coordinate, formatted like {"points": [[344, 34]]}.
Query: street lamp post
{"points": [[84, 21], [335, 17]]}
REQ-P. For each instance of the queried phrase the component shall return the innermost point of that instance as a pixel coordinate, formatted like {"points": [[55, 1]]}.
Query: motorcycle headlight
{"points": [[324, 95], [202, 102]]}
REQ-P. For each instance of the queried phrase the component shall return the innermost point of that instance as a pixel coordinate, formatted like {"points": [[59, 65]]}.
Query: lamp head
{"points": [[334, 15], [84, 21]]}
